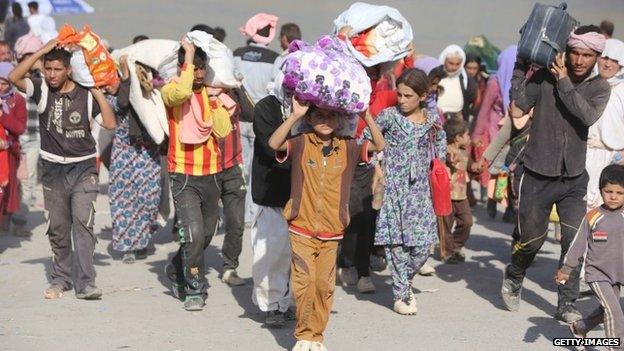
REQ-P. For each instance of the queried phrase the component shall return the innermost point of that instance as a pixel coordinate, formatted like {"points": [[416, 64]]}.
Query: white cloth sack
{"points": [[80, 72], [393, 31], [149, 107]]}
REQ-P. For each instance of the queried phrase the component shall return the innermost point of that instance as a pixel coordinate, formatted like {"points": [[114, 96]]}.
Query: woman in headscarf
{"points": [[475, 69], [134, 190], [493, 108], [13, 120], [605, 144], [460, 90]]}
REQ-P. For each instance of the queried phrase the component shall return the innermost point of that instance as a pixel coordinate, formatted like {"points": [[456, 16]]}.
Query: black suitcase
{"points": [[545, 33]]}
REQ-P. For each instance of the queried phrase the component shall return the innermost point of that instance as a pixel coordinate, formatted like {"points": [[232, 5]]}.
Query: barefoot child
{"points": [[600, 239], [318, 210]]}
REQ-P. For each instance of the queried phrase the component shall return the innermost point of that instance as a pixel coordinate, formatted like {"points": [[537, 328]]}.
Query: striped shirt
{"points": [[194, 159], [230, 146]]}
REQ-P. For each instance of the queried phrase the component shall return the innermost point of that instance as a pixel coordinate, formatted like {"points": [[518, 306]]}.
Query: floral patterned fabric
{"points": [[406, 216], [134, 189], [326, 76]]}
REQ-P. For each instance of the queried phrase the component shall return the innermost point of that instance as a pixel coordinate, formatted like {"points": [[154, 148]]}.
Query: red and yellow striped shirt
{"points": [[194, 159]]}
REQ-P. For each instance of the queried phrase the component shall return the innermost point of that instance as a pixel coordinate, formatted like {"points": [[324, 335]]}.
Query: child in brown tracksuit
{"points": [[452, 241], [318, 210], [600, 240]]}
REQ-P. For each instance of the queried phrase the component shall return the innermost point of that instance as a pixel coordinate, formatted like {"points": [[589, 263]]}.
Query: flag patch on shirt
{"points": [[599, 236]]}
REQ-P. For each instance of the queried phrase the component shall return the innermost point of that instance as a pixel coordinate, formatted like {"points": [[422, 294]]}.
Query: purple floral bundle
{"points": [[327, 76]]}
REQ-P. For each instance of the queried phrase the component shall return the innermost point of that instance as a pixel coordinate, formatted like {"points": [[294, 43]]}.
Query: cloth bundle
{"points": [[220, 69], [482, 47], [92, 64], [148, 103], [326, 76], [380, 33]]}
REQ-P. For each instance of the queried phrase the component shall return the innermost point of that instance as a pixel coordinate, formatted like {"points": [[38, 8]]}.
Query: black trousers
{"points": [[538, 194], [195, 199], [69, 194], [232, 187], [356, 243]]}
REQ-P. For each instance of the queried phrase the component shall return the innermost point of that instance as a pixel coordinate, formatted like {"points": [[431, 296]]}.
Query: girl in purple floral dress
{"points": [[406, 226]]}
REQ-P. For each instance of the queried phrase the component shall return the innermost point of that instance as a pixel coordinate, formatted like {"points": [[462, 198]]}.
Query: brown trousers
{"points": [[453, 240], [312, 279]]}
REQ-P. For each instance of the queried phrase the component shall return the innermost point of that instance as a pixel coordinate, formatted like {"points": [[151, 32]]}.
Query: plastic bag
{"points": [[326, 76], [96, 67], [381, 33]]}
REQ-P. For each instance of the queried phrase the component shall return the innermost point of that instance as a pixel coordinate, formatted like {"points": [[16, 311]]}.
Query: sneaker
{"points": [[302, 345], [290, 314], [90, 293], [406, 308], [347, 276], [365, 285], [426, 269], [510, 292], [378, 263], [231, 278], [317, 346], [452, 259], [141, 254], [194, 303], [568, 314], [129, 257], [53, 292], [274, 319], [460, 255]]}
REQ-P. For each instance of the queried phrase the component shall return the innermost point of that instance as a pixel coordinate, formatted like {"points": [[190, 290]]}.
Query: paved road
{"points": [[459, 309]]}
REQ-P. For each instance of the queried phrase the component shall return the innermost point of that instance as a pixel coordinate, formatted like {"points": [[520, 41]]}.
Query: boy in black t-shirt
{"points": [[70, 180]]}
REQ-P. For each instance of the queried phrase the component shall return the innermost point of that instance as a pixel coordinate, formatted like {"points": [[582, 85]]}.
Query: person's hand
{"points": [[123, 65], [558, 68], [299, 109], [477, 143], [96, 92], [561, 278], [411, 49], [189, 48], [346, 31], [49, 46]]}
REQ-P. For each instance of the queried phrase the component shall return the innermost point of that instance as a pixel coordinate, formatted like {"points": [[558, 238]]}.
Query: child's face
{"points": [[463, 140], [324, 122], [613, 196]]}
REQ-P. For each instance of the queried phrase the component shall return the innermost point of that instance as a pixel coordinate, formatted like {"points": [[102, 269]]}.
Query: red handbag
{"points": [[440, 181]]}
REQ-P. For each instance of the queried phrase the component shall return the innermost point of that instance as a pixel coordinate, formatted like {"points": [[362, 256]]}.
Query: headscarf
{"points": [[455, 50], [614, 49], [257, 22], [427, 64], [27, 44], [590, 40], [5, 69], [506, 61]]}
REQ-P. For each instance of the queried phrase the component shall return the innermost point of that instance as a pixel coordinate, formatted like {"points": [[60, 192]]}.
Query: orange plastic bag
{"points": [[97, 58]]}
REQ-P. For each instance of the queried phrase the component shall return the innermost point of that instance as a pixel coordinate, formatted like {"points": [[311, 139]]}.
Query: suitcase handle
{"points": [[547, 40]]}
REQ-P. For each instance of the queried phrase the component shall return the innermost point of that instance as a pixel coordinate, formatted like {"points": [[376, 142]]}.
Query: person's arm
{"points": [[575, 252], [18, 75], [523, 92], [378, 143], [176, 93], [440, 146], [492, 92], [499, 141], [108, 116], [586, 109], [16, 119], [278, 141]]}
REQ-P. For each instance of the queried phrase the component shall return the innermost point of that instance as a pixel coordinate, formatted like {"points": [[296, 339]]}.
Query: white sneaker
{"points": [[347, 276], [303, 345], [317, 346], [426, 269], [231, 278], [365, 285], [401, 307]]}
